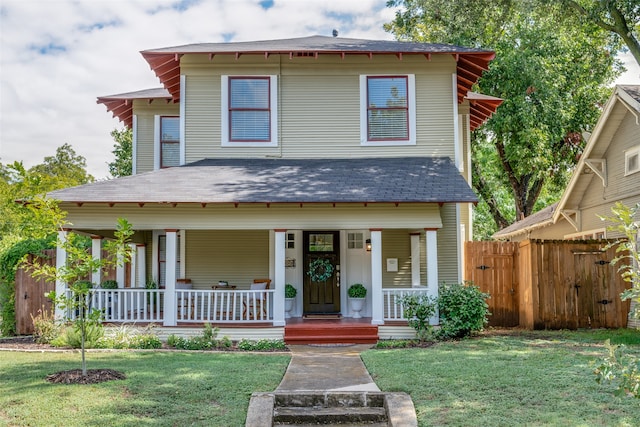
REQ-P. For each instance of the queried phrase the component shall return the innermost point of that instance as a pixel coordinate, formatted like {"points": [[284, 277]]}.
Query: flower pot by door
{"points": [[288, 307], [357, 305]]}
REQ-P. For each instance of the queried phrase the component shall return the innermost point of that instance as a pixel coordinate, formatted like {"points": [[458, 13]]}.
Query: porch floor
{"points": [[330, 331]]}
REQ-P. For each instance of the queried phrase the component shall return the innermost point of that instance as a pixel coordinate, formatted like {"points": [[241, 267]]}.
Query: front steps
{"points": [[374, 409], [330, 332]]}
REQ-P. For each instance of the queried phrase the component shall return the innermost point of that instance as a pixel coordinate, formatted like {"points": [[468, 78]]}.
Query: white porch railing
{"points": [[126, 305], [221, 306], [392, 309], [192, 306]]}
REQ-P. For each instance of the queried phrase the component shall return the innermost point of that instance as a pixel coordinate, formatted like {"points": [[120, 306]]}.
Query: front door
{"points": [[321, 272]]}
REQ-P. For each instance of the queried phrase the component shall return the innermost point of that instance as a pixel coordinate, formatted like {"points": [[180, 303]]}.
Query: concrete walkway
{"points": [[327, 368]]}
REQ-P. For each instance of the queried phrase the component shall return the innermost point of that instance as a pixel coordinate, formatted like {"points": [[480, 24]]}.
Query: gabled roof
{"points": [[471, 63], [370, 180], [121, 105], [540, 219], [624, 98], [627, 96]]}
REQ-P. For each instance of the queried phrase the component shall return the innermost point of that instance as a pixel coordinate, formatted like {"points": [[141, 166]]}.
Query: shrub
{"points": [[418, 309], [463, 309], [290, 291], [206, 341], [71, 336], [261, 345], [620, 369], [45, 327], [109, 284], [357, 290], [128, 337]]}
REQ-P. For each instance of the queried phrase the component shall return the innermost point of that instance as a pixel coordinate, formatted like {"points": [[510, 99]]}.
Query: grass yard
{"points": [[533, 379], [161, 389]]}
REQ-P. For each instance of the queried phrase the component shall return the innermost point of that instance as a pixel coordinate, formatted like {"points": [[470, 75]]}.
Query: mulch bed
{"points": [[93, 376]]}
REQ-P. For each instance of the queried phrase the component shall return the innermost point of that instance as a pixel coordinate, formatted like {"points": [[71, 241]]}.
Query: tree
{"points": [[123, 152], [80, 265], [621, 17], [64, 169], [551, 69]]}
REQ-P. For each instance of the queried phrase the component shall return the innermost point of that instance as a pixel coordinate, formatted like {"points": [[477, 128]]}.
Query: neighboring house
{"points": [[608, 172], [258, 158]]}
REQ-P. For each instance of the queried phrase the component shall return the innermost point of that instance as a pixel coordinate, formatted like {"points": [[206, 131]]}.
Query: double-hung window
{"points": [[249, 111], [632, 160], [387, 110], [169, 141]]}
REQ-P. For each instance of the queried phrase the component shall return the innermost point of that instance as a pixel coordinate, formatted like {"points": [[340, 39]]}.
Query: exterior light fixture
{"points": [[368, 245]]}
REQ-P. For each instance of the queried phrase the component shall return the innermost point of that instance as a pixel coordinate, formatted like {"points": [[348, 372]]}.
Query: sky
{"points": [[58, 56]]}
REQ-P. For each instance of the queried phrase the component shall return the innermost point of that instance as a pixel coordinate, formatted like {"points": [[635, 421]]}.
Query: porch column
{"points": [[432, 267], [279, 277], [141, 255], [170, 278], [61, 262], [377, 305], [134, 265], [120, 270], [96, 254], [415, 260]]}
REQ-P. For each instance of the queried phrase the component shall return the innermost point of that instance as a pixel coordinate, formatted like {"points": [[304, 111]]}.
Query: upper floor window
{"points": [[249, 111], [169, 141], [632, 161], [387, 110]]}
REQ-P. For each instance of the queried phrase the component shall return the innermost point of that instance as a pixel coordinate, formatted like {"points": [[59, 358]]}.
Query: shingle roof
{"points": [[369, 180], [632, 90], [121, 105], [539, 219]]}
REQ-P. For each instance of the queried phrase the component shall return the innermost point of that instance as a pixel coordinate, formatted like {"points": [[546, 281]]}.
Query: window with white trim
{"points": [[249, 111], [169, 141], [387, 110], [355, 240], [632, 160]]}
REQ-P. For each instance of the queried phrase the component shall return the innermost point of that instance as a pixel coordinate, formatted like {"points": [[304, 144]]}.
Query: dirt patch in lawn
{"points": [[74, 376]]}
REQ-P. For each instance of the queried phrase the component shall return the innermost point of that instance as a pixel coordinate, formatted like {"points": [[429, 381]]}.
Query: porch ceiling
{"points": [[210, 181]]}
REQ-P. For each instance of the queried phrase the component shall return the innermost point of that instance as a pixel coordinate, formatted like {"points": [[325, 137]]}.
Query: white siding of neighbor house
{"points": [[255, 216], [146, 113], [318, 104]]}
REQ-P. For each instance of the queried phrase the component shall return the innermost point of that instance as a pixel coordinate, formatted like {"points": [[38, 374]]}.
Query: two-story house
{"points": [[318, 162]]}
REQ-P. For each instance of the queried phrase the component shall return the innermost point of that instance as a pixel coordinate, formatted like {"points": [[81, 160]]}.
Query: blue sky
{"points": [[57, 56]]}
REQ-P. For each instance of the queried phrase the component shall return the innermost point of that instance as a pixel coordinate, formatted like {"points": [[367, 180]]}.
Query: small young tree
{"points": [[80, 265]]}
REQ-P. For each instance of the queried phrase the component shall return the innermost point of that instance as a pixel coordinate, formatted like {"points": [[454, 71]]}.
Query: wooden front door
{"points": [[321, 272]]}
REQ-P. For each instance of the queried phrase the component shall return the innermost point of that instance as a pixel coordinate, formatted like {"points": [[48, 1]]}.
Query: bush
{"points": [[620, 369], [261, 345], [357, 290], [45, 327], [463, 310], [109, 284], [72, 337], [128, 337], [418, 309], [206, 341], [290, 291]]}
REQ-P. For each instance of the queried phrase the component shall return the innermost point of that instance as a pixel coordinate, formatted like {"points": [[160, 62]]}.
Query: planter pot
{"points": [[357, 305], [288, 306]]}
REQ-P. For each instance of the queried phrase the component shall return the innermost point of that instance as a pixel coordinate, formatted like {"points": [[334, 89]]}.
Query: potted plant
{"points": [[357, 294], [290, 293]]}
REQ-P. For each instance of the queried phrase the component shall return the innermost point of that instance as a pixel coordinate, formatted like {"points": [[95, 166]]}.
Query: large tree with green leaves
{"points": [[621, 17], [64, 169], [123, 152], [552, 70]]}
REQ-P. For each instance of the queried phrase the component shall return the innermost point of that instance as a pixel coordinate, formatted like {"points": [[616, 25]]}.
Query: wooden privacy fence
{"points": [[539, 284]]}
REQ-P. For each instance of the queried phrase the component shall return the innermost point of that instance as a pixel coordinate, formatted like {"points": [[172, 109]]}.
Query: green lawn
{"points": [[534, 379], [161, 389]]}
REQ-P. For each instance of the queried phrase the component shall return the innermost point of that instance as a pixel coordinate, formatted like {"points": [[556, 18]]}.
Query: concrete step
{"points": [[328, 416]]}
